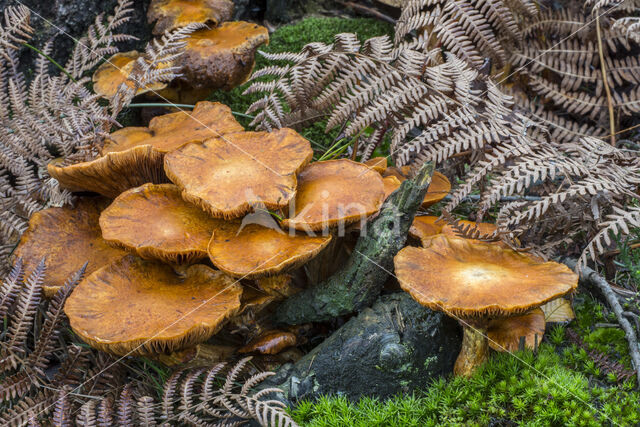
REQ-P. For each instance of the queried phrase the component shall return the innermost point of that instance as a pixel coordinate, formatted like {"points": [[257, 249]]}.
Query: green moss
{"points": [[557, 386], [292, 38]]}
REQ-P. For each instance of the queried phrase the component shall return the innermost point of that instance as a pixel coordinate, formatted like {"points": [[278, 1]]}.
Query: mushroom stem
{"points": [[475, 349]]}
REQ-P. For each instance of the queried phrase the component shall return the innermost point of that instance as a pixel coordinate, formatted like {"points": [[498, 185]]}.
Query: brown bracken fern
{"points": [[438, 107], [36, 366], [559, 71], [55, 115], [432, 107], [201, 397], [471, 29]]}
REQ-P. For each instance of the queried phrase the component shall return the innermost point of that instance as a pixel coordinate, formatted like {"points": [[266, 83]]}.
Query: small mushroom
{"points": [[134, 156], [229, 176], [475, 283], [115, 71], [156, 223], [270, 342], [505, 334], [333, 193], [138, 307], [378, 164], [221, 57], [391, 184], [67, 237], [438, 189], [171, 14], [255, 251], [424, 227]]}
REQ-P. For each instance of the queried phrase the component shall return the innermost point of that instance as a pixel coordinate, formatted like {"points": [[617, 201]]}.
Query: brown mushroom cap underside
{"points": [[171, 14], [67, 237], [335, 192], [172, 131], [476, 280], [156, 223], [139, 307], [255, 251], [112, 173], [424, 227], [115, 71], [504, 334], [229, 176], [222, 57]]}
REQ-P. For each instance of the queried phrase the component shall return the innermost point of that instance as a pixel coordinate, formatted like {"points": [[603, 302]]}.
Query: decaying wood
{"points": [[359, 282], [590, 278]]}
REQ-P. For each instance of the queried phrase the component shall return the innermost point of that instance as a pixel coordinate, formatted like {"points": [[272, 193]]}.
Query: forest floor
{"points": [[578, 375]]}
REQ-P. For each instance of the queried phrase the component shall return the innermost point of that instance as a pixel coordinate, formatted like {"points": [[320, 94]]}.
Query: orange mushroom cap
{"points": [[134, 156], [115, 71], [67, 237], [255, 251], [156, 223], [505, 334], [334, 192], [139, 307], [438, 189], [172, 131], [424, 227], [476, 280], [228, 176], [171, 14], [222, 57]]}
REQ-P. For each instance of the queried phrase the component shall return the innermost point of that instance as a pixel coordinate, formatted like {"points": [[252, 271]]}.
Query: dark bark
{"points": [[396, 346], [359, 282]]}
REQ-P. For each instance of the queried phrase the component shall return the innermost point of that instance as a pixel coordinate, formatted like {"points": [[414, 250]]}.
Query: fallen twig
{"points": [[368, 11], [593, 279]]}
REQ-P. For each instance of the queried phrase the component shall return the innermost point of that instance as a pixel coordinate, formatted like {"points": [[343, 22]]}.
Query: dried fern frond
{"points": [[28, 343], [470, 29], [193, 397], [155, 65], [32, 346], [558, 64], [100, 40], [432, 110], [579, 185]]}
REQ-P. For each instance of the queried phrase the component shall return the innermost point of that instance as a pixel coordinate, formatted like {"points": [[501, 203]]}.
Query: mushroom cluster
{"points": [[219, 56], [189, 240]]}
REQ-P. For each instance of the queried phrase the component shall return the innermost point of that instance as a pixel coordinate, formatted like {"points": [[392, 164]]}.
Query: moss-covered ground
{"points": [[560, 384]]}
